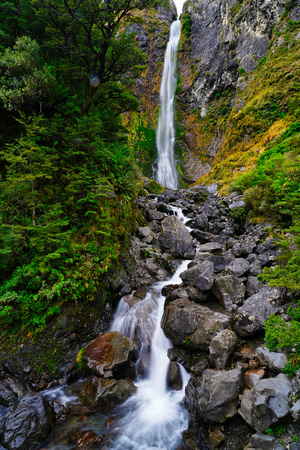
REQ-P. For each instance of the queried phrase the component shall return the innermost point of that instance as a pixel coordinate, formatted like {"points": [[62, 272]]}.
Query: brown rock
{"points": [[251, 377], [100, 393], [110, 356], [216, 437]]}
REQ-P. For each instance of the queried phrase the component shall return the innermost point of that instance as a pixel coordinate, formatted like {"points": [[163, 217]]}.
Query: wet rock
{"points": [[216, 437], [199, 367], [181, 356], [174, 379], [176, 239], [255, 311], [7, 396], [100, 393], [110, 355], [238, 267], [261, 441], [221, 347], [267, 402], [87, 439], [184, 318], [153, 214], [28, 424], [229, 290], [215, 394], [272, 360]]}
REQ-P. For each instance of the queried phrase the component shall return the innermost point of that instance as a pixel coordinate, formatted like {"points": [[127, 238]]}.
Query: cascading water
{"points": [[165, 171], [154, 418]]}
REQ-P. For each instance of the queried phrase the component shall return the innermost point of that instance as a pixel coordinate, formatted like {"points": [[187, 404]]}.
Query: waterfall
{"points": [[165, 171], [154, 417]]}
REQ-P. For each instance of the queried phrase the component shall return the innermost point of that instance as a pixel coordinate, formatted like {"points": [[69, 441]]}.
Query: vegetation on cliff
{"points": [[67, 173]]}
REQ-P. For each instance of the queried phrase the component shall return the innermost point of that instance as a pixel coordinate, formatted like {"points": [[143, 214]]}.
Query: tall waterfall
{"points": [[165, 172]]}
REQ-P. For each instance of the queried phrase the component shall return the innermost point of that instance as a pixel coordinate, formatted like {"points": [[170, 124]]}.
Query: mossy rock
{"points": [[153, 187]]}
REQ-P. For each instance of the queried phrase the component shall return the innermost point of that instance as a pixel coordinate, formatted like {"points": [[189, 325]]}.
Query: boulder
{"points": [[183, 318], [174, 379], [201, 222], [238, 267], [221, 347], [110, 355], [255, 311], [251, 377], [268, 402], [295, 411], [272, 360], [253, 285], [176, 239], [229, 290], [215, 395], [261, 441], [200, 276], [100, 393], [28, 424], [213, 247]]}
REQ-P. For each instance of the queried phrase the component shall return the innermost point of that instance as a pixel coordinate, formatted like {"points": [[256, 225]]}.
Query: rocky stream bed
{"points": [[215, 319]]}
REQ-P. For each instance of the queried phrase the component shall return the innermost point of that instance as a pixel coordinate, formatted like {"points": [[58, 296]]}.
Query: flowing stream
{"points": [[154, 417], [165, 170]]}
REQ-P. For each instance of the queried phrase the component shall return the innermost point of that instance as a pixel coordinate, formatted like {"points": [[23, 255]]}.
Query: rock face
{"points": [[176, 239], [215, 394], [226, 36], [27, 424], [267, 402], [183, 318], [109, 355]]}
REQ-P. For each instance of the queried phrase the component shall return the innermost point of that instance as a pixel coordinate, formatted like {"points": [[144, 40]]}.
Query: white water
{"points": [[154, 418], [165, 172]]}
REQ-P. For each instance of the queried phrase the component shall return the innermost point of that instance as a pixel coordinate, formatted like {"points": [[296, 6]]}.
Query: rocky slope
{"points": [[215, 319]]}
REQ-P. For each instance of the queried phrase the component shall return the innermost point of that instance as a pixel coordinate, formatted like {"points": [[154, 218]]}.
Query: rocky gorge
{"points": [[215, 319]]}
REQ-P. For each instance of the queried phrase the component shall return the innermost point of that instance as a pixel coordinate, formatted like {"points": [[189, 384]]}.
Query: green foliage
{"points": [[79, 358], [186, 25], [284, 335], [67, 173]]}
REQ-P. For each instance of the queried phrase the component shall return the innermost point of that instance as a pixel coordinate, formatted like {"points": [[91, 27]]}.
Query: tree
{"points": [[94, 40]]}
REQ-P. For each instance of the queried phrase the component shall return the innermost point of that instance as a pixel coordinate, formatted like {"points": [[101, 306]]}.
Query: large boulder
{"points": [[238, 267], [215, 395], [183, 318], [100, 393], [221, 347], [28, 424], [229, 290], [268, 402], [110, 355], [176, 239], [255, 311]]}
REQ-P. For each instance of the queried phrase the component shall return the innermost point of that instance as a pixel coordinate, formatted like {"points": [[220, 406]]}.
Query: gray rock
{"points": [[229, 290], [255, 311], [272, 360], [238, 267], [295, 411], [176, 239], [28, 424], [253, 285], [184, 318], [238, 204], [221, 347], [261, 441], [215, 395], [174, 379], [205, 279], [201, 222], [267, 402], [153, 214], [213, 247], [146, 234]]}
